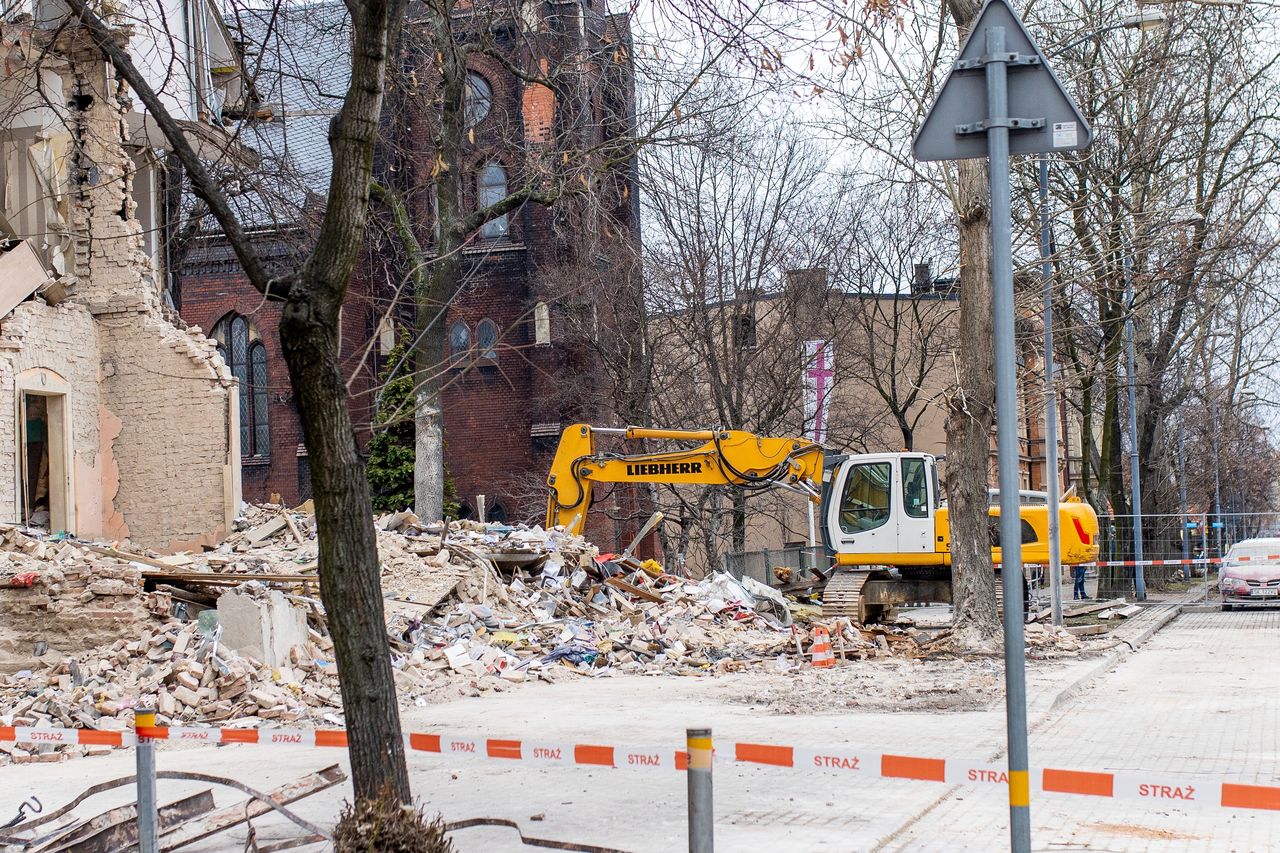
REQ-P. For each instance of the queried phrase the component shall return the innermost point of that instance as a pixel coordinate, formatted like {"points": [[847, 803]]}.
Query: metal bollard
{"points": [[148, 839], [701, 814]]}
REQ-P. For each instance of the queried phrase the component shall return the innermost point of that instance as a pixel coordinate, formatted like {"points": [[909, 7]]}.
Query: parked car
{"points": [[1250, 573]]}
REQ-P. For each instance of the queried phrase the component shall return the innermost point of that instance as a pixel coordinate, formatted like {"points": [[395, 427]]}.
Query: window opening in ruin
{"points": [[744, 331], [242, 350], [43, 462], [492, 188]]}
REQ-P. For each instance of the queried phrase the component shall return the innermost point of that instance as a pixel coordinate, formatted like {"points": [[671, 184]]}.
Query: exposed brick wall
{"points": [[149, 401]]}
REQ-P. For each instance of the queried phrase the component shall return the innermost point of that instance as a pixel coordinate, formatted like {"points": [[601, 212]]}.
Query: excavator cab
{"points": [[882, 508]]}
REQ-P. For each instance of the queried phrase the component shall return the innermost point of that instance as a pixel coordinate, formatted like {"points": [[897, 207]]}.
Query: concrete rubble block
{"points": [[264, 627]]}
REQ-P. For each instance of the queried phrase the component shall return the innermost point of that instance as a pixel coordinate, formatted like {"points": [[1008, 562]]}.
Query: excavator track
{"points": [[842, 596]]}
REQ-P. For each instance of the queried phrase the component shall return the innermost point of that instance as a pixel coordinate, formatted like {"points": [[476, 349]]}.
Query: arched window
{"points": [[459, 341], [242, 350], [487, 341], [541, 323], [492, 188], [478, 99]]}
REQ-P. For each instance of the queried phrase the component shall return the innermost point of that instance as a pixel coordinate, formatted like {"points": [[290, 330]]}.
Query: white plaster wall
{"points": [[62, 340]]}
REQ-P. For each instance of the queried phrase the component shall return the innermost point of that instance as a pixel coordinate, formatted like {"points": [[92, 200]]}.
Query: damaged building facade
{"points": [[116, 420]]}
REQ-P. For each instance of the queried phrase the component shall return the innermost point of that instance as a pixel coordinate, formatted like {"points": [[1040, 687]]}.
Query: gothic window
{"points": [[492, 188], [459, 341], [541, 323], [242, 350], [487, 341], [478, 100]]}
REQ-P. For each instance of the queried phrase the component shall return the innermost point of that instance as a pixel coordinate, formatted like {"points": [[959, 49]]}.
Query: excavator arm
{"points": [[716, 457]]}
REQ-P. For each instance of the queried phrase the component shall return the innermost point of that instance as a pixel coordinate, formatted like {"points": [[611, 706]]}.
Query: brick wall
{"points": [[160, 395], [489, 408], [214, 287]]}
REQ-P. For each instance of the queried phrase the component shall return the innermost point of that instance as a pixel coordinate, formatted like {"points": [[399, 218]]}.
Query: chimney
{"points": [[922, 282]]}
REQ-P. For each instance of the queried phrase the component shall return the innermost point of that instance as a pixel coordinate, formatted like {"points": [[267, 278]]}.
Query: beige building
{"points": [[116, 421], [893, 359]]}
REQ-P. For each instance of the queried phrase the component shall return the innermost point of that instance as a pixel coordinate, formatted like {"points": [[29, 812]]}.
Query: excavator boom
{"points": [[720, 457]]}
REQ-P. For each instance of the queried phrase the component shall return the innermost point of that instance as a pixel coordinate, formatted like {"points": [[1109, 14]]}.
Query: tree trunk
{"points": [[428, 409], [976, 621], [739, 521], [971, 408], [350, 580]]}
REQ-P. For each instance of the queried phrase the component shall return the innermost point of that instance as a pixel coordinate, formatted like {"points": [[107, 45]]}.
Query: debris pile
{"points": [[59, 597], [237, 635]]}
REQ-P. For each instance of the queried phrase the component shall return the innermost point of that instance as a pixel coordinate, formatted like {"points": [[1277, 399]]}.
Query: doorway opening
{"points": [[43, 462]]}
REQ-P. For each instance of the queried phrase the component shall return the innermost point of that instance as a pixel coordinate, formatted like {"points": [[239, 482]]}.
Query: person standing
{"points": [[1077, 577]]}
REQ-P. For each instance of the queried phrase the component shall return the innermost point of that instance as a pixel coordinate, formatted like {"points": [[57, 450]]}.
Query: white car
{"points": [[1250, 573]]}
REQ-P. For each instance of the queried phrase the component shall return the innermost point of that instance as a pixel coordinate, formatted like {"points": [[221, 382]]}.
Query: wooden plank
{"points": [[1086, 609], [237, 814], [108, 551], [293, 528], [1087, 630], [266, 530], [225, 579], [632, 589], [123, 834]]}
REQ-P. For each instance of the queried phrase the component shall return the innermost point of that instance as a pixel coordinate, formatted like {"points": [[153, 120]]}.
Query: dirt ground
{"points": [[939, 686]]}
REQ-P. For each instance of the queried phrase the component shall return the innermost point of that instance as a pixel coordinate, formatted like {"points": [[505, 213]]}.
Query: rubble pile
{"points": [[236, 635], [58, 597], [179, 670]]}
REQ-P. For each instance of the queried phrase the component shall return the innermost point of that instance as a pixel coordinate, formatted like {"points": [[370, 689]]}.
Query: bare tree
{"points": [[312, 293], [1169, 227], [898, 311]]}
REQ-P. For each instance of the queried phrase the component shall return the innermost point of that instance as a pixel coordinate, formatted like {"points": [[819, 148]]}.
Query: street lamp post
{"points": [[1182, 499], [1217, 485], [1135, 479], [1144, 19], [1050, 400]]}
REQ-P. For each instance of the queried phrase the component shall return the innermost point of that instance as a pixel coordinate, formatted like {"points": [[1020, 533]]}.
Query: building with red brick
{"points": [[521, 358]]}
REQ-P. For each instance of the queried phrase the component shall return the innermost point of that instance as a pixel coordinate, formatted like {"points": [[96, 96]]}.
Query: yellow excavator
{"points": [[883, 520]]}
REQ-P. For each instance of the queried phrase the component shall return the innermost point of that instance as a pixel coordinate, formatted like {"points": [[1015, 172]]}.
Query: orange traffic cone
{"points": [[822, 656]]}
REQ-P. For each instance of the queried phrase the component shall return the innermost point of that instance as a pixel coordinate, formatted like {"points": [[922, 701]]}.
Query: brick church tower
{"points": [[551, 291]]}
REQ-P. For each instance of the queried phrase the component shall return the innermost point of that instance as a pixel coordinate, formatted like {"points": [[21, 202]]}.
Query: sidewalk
{"points": [[1201, 700]]}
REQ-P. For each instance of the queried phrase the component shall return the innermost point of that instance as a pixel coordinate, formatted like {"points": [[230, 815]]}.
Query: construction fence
{"points": [[1175, 548]]}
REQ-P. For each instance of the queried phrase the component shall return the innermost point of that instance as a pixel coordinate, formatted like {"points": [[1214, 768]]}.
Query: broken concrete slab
{"points": [[263, 626]]}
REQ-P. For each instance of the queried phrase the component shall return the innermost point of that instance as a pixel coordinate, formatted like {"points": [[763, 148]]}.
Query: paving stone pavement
{"points": [[1202, 699]]}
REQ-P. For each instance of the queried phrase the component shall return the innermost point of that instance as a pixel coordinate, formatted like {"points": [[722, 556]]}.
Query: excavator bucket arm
{"points": [[717, 457]]}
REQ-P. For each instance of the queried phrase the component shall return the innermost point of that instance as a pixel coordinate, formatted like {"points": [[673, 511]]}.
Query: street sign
{"points": [[1042, 117]]}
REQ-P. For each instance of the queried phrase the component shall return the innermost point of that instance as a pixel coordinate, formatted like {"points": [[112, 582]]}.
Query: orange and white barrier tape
{"points": [[71, 737], [849, 762]]}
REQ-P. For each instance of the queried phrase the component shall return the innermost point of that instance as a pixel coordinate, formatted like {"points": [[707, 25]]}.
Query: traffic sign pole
{"points": [[1015, 673]]}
